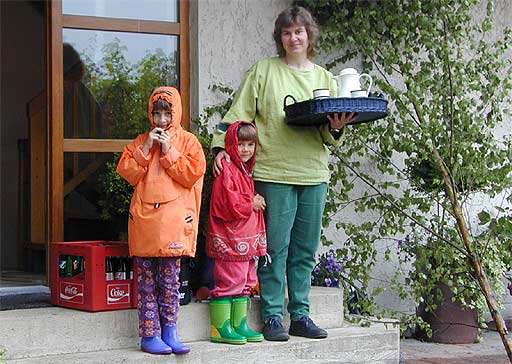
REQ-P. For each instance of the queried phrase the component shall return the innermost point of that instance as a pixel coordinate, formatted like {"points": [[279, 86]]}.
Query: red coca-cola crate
{"points": [[84, 286]]}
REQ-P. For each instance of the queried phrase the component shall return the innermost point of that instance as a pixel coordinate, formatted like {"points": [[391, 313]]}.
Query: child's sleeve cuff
{"points": [[139, 157], [170, 157]]}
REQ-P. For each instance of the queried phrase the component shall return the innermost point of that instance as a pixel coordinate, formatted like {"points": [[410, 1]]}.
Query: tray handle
{"points": [[286, 98]]}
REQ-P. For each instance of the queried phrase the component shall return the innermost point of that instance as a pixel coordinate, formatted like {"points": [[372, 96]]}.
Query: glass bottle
{"points": [[109, 269]]}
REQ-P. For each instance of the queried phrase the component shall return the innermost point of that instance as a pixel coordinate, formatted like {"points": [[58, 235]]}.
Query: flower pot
{"points": [[451, 323]]}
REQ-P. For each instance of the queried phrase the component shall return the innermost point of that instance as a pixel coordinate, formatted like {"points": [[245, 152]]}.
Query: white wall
{"points": [[231, 36]]}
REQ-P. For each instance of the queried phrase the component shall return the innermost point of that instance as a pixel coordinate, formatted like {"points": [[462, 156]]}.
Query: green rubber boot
{"points": [[220, 319], [239, 320]]}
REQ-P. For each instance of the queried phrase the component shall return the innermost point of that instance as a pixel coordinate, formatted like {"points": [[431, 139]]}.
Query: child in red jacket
{"points": [[236, 237]]}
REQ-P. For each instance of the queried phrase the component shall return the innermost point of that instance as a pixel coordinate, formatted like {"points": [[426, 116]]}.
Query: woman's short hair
{"points": [[247, 133], [300, 16]]}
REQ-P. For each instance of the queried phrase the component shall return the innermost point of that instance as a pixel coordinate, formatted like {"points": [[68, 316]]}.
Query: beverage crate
{"points": [[84, 285]]}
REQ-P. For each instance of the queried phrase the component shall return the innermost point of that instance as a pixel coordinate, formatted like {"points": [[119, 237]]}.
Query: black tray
{"points": [[314, 112]]}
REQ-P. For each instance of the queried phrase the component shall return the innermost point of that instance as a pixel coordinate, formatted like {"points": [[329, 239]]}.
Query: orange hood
{"points": [[172, 96]]}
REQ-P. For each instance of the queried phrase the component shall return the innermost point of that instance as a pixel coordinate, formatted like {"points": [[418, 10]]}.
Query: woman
{"points": [[291, 172]]}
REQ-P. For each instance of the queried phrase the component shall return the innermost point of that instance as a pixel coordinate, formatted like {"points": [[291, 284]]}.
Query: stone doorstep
{"points": [[55, 330], [377, 344], [22, 297]]}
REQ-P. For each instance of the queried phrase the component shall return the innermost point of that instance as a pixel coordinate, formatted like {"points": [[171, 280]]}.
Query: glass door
{"points": [[107, 57]]}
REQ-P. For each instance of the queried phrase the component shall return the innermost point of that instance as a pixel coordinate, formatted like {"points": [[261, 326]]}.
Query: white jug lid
{"points": [[348, 71]]}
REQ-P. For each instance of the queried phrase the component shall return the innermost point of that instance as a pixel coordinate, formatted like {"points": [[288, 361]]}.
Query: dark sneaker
{"points": [[273, 330], [305, 327]]}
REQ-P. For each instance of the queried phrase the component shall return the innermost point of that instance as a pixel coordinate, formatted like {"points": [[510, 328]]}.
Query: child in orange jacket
{"points": [[166, 165]]}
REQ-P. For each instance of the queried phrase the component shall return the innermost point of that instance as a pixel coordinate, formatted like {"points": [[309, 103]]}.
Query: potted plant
{"points": [[330, 271], [420, 176]]}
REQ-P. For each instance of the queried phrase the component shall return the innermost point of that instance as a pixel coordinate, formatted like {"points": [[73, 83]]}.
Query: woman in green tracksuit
{"points": [[291, 171]]}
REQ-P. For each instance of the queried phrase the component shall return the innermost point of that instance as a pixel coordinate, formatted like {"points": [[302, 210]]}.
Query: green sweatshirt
{"points": [[285, 154]]}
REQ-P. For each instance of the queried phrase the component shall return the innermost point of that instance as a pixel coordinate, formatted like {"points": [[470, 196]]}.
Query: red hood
{"points": [[232, 147], [172, 96]]}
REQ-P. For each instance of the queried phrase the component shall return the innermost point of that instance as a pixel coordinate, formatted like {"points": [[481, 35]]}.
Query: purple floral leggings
{"points": [[158, 295]]}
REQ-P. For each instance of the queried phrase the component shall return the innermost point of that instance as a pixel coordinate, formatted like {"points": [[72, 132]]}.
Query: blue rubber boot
{"points": [[154, 345], [170, 337]]}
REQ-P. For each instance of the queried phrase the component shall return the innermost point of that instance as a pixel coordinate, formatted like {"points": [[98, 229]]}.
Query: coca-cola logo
{"points": [[72, 292], [118, 293]]}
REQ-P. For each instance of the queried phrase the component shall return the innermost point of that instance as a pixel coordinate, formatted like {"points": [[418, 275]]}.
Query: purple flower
{"points": [[510, 288], [328, 272]]}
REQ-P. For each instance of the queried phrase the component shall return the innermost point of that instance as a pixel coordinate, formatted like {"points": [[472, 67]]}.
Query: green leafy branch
{"points": [[449, 88]]}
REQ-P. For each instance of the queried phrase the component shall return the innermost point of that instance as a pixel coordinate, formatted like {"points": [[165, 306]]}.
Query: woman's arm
{"points": [[332, 132], [242, 108], [217, 162]]}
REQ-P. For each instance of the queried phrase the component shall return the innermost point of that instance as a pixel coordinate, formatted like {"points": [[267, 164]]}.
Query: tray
{"points": [[314, 112]]}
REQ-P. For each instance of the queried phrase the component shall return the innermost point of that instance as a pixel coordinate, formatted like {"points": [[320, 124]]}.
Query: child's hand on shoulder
{"points": [[259, 203]]}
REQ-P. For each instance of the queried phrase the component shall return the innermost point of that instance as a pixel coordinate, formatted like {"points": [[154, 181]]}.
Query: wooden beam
{"points": [[184, 62], [84, 174], [55, 120], [120, 25], [95, 145]]}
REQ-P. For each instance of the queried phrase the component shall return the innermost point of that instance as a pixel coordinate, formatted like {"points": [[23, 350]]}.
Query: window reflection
{"points": [[120, 71], [82, 112], [160, 10], [96, 200]]}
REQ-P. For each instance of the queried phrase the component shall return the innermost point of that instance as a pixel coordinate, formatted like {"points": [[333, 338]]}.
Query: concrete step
{"points": [[54, 330], [377, 344]]}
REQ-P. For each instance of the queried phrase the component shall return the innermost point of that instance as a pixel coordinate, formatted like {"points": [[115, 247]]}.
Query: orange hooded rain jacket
{"points": [[164, 210]]}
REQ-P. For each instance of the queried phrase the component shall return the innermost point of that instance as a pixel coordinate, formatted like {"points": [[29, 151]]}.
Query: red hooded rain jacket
{"points": [[236, 232]]}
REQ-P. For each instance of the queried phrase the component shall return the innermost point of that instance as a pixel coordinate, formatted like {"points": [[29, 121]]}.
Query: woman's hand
{"points": [[259, 203], [338, 121], [217, 162]]}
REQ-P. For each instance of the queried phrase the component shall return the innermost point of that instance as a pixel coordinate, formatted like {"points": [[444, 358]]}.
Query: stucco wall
{"points": [[231, 36]]}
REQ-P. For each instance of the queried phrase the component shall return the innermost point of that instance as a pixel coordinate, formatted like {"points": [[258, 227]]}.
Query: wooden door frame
{"points": [[57, 145], [55, 123]]}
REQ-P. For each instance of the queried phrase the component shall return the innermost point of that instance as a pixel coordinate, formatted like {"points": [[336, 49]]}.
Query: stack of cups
{"points": [[321, 93]]}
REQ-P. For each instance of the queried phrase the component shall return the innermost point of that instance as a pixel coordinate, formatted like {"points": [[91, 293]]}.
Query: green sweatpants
{"points": [[294, 222]]}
